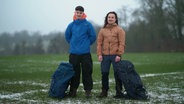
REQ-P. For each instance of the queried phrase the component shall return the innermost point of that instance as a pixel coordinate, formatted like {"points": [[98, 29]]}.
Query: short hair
{"points": [[80, 8]]}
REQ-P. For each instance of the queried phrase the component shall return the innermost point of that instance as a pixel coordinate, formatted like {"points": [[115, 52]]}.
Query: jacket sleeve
{"points": [[99, 43], [92, 34], [68, 33], [121, 41]]}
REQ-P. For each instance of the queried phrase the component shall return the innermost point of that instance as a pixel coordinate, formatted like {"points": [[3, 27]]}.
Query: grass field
{"points": [[26, 79]]}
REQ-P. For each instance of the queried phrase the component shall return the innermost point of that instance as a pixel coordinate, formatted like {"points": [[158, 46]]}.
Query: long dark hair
{"points": [[106, 17]]}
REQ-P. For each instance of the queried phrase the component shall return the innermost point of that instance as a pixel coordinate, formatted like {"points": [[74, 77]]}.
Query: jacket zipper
{"points": [[109, 48]]}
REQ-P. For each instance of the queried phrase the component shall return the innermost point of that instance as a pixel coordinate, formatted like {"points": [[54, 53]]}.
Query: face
{"points": [[111, 18], [79, 14]]}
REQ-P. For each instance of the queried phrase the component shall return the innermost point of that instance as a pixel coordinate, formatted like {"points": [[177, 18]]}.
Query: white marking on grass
{"points": [[45, 61], [29, 83], [19, 96], [15, 95], [168, 89], [159, 74]]}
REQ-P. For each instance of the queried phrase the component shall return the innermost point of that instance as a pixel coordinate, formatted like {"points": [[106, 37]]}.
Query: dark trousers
{"points": [[82, 62], [105, 68]]}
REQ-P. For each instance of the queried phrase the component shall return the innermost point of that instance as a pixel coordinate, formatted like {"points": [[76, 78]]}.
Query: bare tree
{"points": [[175, 13]]}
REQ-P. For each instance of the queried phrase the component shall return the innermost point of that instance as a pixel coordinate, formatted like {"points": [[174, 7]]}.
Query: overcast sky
{"points": [[53, 15]]}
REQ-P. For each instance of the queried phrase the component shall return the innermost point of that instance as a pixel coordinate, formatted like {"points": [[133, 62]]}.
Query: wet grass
{"points": [[26, 79]]}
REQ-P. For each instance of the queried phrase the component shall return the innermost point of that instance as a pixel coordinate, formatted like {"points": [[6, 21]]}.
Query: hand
{"points": [[100, 58], [117, 58]]}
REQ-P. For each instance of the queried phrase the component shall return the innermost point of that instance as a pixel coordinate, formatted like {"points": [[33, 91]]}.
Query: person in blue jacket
{"points": [[80, 35]]}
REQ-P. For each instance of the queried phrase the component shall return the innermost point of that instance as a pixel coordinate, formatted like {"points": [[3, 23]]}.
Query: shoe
{"points": [[88, 93], [103, 94], [72, 93]]}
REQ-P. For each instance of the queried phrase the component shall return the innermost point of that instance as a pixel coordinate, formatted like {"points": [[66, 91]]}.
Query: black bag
{"points": [[60, 80], [131, 80]]}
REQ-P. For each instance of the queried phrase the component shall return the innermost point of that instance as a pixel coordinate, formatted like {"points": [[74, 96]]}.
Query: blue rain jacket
{"points": [[80, 34]]}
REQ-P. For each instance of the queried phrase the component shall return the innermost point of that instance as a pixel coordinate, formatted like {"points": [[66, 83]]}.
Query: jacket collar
{"points": [[111, 25], [78, 21]]}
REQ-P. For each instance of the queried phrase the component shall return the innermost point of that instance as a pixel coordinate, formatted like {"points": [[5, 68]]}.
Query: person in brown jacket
{"points": [[110, 47]]}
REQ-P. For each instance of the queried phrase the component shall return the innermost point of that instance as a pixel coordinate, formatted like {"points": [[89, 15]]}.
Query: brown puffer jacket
{"points": [[111, 40]]}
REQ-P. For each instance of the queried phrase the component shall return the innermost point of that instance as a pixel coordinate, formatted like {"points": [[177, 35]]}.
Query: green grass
{"points": [[26, 79]]}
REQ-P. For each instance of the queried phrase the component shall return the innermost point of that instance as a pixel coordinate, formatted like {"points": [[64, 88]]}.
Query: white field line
{"points": [[28, 83], [160, 74], [10, 96], [18, 96]]}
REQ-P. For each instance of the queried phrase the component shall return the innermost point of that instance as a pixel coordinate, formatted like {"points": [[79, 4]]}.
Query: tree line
{"points": [[158, 26], [23, 43]]}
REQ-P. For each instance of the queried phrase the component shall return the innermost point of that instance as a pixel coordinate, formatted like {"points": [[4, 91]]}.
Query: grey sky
{"points": [[53, 15]]}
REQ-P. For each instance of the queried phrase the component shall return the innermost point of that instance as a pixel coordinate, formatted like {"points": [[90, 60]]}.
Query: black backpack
{"points": [[60, 80], [131, 80]]}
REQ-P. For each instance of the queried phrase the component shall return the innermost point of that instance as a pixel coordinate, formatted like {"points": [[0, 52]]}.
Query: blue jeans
{"points": [[105, 68]]}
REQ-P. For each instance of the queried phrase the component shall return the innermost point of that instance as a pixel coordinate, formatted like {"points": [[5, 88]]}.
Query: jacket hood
{"points": [[83, 16]]}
